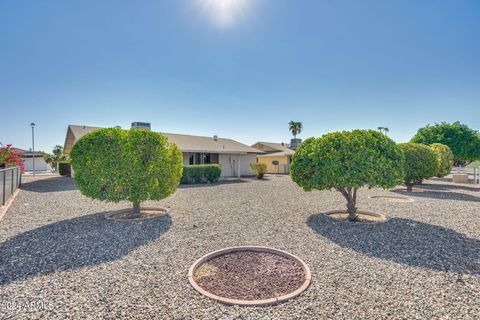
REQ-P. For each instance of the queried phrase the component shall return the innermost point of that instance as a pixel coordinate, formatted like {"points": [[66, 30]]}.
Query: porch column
{"points": [[238, 166]]}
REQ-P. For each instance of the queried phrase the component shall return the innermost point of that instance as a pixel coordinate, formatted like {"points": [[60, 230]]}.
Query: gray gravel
{"points": [[59, 258]]}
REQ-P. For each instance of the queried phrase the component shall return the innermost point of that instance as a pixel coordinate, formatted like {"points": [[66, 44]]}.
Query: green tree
{"points": [[134, 165], [57, 156], [295, 127], [444, 159], [346, 161], [57, 151], [420, 163], [462, 140]]}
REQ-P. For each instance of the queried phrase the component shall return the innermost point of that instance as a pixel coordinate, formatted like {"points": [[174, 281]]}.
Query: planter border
{"points": [[109, 214], [251, 303], [366, 213], [402, 199]]}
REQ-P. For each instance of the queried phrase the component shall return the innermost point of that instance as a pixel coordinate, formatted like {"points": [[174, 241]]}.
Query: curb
{"points": [[380, 216], [109, 214]]}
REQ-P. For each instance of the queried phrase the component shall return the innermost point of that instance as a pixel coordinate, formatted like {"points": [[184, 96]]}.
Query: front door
{"points": [[229, 164], [234, 167]]}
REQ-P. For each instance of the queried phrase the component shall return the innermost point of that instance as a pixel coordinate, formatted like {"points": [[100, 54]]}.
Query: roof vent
{"points": [[141, 125], [215, 138]]}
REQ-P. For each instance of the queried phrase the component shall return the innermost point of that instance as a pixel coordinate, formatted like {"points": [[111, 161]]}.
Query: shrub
{"points": [[420, 163], [133, 165], [444, 159], [462, 140], [259, 169], [9, 157], [65, 168], [201, 173], [346, 161]]}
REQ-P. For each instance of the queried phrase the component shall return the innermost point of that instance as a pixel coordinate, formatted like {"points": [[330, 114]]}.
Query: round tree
{"points": [[346, 161], [462, 140], [133, 165], [444, 159], [420, 163]]}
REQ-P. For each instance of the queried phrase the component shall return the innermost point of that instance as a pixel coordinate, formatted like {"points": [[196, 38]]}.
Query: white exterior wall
{"points": [[40, 164], [234, 165], [245, 169], [186, 156]]}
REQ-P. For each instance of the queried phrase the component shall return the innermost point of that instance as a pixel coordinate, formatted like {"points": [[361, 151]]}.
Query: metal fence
{"points": [[10, 180]]}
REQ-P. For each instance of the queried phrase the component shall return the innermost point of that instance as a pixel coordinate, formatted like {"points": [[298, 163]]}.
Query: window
{"points": [[206, 158]]}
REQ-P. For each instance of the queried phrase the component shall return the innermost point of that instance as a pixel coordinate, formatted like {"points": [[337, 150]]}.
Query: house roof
{"points": [[275, 154], [21, 151], [186, 143], [274, 147], [27, 154]]}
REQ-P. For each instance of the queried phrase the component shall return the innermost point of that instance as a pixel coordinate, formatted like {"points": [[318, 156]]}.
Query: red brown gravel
{"points": [[249, 275]]}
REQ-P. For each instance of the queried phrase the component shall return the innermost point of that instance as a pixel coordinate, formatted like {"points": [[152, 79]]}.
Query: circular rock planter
{"points": [[393, 198], [145, 213], [249, 276], [363, 216]]}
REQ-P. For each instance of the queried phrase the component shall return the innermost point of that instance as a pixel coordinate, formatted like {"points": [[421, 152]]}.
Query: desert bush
{"points": [[259, 169], [420, 163], [346, 161], [134, 165]]}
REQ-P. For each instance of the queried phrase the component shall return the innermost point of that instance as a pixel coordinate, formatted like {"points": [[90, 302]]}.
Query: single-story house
{"points": [[28, 160], [277, 156], [233, 156]]}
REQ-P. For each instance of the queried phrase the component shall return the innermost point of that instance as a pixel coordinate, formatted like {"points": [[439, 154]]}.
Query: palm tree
{"points": [[383, 130], [295, 128]]}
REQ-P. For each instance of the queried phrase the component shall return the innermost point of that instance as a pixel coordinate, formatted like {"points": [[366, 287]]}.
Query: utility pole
{"points": [[33, 146]]}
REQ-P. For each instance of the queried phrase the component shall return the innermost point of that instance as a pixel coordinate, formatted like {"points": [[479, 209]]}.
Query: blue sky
{"points": [[237, 68]]}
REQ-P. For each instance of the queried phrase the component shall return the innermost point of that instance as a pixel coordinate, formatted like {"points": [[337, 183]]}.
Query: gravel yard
{"points": [[60, 258]]}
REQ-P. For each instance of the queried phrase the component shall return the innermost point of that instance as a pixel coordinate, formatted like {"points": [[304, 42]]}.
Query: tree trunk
{"points": [[136, 209], [409, 186], [351, 197], [352, 211]]}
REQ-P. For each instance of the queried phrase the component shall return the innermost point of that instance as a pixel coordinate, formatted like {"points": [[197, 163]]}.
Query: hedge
{"points": [[65, 169], [201, 173]]}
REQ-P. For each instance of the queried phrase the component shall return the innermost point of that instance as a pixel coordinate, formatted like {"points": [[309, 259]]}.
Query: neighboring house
{"points": [[233, 156], [27, 158], [275, 152]]}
